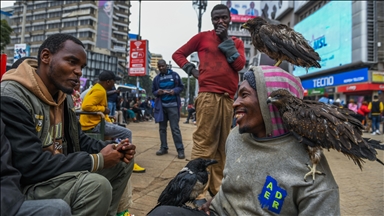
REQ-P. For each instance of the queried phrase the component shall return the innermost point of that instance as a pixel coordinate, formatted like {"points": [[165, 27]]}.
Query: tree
{"points": [[6, 31], [145, 83], [192, 81]]}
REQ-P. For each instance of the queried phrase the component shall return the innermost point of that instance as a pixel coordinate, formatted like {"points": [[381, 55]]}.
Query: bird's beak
{"points": [[270, 100], [244, 26], [210, 162]]}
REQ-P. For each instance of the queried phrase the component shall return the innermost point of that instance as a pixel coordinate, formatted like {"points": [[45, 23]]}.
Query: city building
{"points": [[348, 36], [6, 13], [238, 17], [102, 26], [154, 59]]}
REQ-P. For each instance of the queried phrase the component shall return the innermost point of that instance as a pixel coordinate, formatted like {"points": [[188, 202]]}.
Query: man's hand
{"points": [[222, 32], [195, 73], [111, 156], [127, 148], [160, 92], [171, 92], [106, 111], [205, 206]]}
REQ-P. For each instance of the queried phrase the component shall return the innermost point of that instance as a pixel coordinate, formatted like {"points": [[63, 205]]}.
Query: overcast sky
{"points": [[167, 25]]}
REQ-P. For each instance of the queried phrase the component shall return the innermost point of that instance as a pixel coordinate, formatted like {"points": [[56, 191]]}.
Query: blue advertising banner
{"points": [[104, 24], [329, 32], [354, 76]]}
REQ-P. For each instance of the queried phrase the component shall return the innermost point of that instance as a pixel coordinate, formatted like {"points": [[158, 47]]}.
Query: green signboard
{"points": [[316, 91]]}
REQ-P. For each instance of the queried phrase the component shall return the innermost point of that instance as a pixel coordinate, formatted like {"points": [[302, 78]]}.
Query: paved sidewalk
{"points": [[361, 192]]}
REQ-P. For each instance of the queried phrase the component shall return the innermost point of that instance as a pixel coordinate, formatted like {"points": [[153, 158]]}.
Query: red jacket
{"points": [[363, 110], [216, 74]]}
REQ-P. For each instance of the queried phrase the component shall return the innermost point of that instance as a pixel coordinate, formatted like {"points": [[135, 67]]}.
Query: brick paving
{"points": [[361, 192]]}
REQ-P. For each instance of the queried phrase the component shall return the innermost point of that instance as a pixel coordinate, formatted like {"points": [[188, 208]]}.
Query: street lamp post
{"points": [[138, 38], [200, 7]]}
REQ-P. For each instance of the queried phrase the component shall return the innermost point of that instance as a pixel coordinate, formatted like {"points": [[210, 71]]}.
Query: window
{"points": [[43, 5], [39, 27], [55, 14], [85, 34], [28, 18], [56, 3], [54, 25], [36, 38], [35, 50], [84, 22], [40, 16], [69, 24], [15, 40], [74, 34]]}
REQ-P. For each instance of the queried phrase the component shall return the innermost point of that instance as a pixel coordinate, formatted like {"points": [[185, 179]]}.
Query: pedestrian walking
{"points": [[167, 87], [376, 108]]}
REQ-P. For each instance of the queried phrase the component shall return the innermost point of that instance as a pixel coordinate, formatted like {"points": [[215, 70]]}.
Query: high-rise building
{"points": [[102, 26]]}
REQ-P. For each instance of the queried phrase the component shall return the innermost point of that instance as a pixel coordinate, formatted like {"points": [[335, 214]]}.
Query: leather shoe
{"points": [[162, 151], [187, 122], [180, 155]]}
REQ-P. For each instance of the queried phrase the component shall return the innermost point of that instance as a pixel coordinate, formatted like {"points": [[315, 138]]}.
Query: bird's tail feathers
{"points": [[374, 143], [378, 160]]}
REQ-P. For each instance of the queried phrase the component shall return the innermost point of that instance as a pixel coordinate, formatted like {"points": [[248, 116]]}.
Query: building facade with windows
{"points": [[78, 18]]}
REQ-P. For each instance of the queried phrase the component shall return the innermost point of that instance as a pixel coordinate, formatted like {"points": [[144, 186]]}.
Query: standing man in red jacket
{"points": [[221, 58]]}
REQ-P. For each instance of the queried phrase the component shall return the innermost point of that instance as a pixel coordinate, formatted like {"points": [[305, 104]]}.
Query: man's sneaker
{"points": [[377, 132], [186, 122], [180, 155], [374, 133], [138, 169], [162, 151]]}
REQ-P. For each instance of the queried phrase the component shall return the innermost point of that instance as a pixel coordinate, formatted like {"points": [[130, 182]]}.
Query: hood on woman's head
{"points": [[266, 79]]}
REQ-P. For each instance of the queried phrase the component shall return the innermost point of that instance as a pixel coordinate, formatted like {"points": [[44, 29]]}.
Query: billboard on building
{"points": [[241, 11], [138, 59], [275, 9], [329, 32], [20, 51], [104, 24]]}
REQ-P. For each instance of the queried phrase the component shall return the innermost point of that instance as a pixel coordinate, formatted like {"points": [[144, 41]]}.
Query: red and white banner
{"points": [[361, 87], [3, 64], [138, 61]]}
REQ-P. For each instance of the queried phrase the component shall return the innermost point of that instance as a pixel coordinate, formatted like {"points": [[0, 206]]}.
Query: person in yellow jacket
{"points": [[96, 101], [376, 108]]}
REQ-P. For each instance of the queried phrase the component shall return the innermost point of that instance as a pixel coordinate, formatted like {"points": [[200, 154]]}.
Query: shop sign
{"points": [[361, 87], [354, 76], [316, 91], [330, 90], [377, 76]]}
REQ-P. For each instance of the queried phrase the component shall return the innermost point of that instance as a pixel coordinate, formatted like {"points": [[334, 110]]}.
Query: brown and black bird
{"points": [[324, 126], [187, 184], [280, 43]]}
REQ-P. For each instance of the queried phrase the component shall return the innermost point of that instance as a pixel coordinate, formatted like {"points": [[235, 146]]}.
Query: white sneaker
{"points": [[377, 132], [374, 133]]}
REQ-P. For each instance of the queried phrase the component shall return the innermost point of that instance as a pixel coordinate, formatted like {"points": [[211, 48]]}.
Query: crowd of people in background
{"points": [[369, 113]]}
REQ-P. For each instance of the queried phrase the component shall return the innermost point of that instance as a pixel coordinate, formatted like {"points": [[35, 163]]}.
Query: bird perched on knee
{"points": [[280, 43], [187, 184], [324, 126]]}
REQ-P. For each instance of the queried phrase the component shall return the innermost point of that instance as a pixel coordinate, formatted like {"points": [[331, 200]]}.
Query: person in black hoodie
{"points": [[12, 200]]}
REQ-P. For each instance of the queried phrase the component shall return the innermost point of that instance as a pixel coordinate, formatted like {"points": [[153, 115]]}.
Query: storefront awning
{"points": [[361, 87]]}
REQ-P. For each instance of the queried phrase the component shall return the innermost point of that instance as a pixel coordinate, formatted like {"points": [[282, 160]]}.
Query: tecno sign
{"points": [[324, 81]]}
